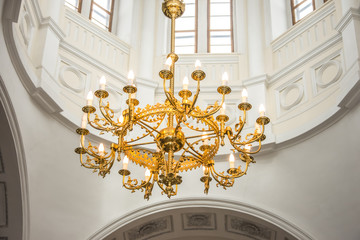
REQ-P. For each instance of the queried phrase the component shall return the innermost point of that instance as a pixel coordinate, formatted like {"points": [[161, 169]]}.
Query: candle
{"points": [[89, 98], [101, 149], [185, 83], [225, 79], [168, 63], [131, 77], [84, 120], [147, 174], [205, 139], [197, 64], [125, 162], [244, 95], [222, 109], [102, 83], [232, 160], [262, 110]]}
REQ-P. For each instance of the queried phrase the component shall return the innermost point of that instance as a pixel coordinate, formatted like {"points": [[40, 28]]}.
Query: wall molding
{"points": [[214, 203]]}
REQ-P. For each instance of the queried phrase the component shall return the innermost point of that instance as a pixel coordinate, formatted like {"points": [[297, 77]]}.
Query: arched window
{"points": [[101, 13]]}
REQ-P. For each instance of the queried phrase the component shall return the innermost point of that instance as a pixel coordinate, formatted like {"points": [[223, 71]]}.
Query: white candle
{"points": [[225, 79], [205, 139], [131, 77], [125, 162], [232, 160], [262, 110], [222, 109], [89, 98], [101, 149], [147, 174], [102, 83], [197, 64], [168, 63], [186, 83], [84, 120], [244, 95]]}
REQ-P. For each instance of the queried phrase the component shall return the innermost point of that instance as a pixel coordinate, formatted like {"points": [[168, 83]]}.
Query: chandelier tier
{"points": [[175, 126]]}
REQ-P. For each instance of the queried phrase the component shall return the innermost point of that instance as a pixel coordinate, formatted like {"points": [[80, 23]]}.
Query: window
{"points": [[186, 29], [74, 4], [301, 8], [205, 31], [101, 13], [220, 26]]}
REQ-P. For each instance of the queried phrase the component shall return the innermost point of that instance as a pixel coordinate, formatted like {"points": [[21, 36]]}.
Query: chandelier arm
{"points": [[172, 100], [241, 124], [222, 180], [237, 148], [105, 114], [141, 123], [97, 126], [195, 97], [192, 148], [222, 176], [217, 108], [128, 185]]}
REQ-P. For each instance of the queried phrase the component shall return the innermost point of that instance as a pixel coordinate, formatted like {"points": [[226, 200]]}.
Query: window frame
{"points": [[195, 30], [220, 30], [111, 13], [293, 8], [78, 8]]}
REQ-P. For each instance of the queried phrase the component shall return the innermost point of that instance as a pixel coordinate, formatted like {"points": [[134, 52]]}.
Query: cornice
{"points": [[351, 14]]}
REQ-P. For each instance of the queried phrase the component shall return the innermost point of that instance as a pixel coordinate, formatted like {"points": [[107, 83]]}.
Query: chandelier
{"points": [[171, 137]]}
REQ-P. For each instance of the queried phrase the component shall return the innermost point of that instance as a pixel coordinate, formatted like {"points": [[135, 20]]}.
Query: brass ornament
{"points": [[171, 137]]}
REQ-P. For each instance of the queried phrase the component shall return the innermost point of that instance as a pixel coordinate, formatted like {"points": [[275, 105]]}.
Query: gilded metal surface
{"points": [[88, 109], [263, 120], [198, 75], [244, 106], [166, 74], [101, 93], [173, 8], [224, 90], [130, 89], [163, 127]]}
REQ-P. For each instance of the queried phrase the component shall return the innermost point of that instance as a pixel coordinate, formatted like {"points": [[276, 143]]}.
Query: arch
{"points": [[14, 174], [157, 220]]}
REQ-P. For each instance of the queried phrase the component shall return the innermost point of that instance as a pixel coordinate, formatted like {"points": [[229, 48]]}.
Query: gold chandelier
{"points": [[175, 126]]}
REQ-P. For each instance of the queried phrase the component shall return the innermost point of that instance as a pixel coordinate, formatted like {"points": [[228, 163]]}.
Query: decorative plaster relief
{"points": [[290, 94], [334, 70], [2, 170], [150, 229], [72, 78], [296, 91], [199, 221], [3, 205], [247, 228], [26, 27], [327, 72]]}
